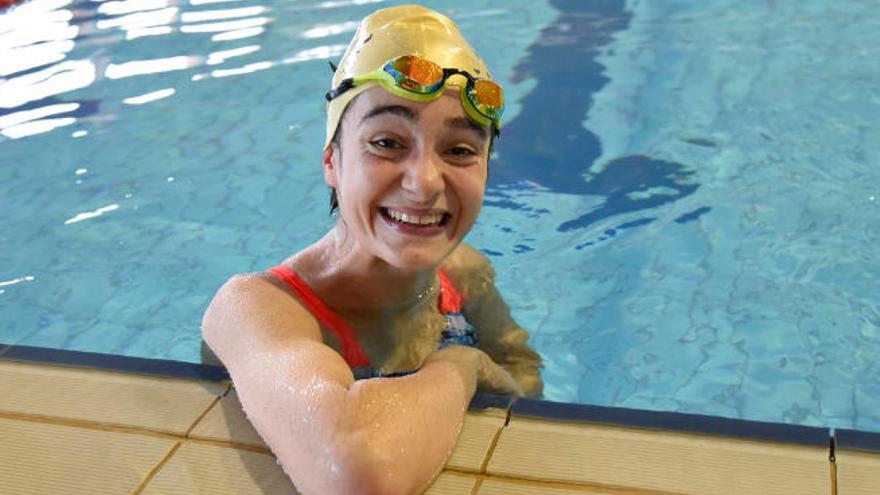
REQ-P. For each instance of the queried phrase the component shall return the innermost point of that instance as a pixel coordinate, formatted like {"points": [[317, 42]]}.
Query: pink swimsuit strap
{"points": [[352, 352]]}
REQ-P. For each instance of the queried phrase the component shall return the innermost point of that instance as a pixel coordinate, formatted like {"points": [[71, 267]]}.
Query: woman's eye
{"points": [[386, 143], [461, 151]]}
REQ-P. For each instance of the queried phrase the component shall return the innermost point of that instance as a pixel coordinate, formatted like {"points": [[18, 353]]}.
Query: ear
{"points": [[330, 163]]}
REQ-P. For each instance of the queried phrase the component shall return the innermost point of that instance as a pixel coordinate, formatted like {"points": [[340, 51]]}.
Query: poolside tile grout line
{"points": [[483, 465], [556, 484], [213, 403], [476, 488], [186, 435], [130, 430], [217, 442], [229, 444], [492, 446], [153, 472], [833, 474], [91, 425]]}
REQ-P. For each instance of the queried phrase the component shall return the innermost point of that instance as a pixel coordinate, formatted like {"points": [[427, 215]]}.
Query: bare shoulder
{"points": [[255, 309], [470, 271]]}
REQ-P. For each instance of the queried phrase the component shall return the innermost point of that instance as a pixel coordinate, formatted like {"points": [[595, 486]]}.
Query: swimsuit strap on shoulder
{"points": [[450, 299], [458, 330], [351, 349]]}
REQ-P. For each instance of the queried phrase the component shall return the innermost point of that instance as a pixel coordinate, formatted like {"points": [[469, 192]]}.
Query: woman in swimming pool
{"points": [[391, 292]]}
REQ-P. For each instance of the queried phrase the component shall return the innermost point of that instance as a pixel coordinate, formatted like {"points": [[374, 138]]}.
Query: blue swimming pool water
{"points": [[683, 207]]}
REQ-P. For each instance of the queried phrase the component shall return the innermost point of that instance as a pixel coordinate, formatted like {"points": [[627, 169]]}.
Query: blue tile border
{"points": [[692, 423], [486, 401], [113, 362], [857, 440]]}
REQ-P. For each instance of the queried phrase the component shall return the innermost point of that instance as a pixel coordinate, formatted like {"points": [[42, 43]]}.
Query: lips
{"points": [[415, 221]]}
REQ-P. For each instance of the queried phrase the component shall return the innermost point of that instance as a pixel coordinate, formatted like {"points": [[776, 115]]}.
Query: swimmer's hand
{"points": [[478, 370]]}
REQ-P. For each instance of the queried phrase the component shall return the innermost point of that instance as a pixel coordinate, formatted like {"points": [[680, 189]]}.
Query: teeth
{"points": [[414, 219]]}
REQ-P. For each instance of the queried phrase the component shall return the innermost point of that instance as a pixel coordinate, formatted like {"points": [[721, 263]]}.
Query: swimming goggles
{"points": [[415, 78]]}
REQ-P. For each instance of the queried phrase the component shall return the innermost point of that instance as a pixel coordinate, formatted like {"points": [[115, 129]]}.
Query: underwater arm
{"points": [[333, 434], [500, 336]]}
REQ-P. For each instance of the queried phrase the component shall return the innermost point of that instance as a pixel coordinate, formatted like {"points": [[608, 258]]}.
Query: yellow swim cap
{"points": [[392, 32]]}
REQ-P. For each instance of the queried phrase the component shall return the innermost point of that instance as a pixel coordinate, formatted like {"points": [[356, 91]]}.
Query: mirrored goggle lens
{"points": [[488, 98], [416, 74], [489, 94]]}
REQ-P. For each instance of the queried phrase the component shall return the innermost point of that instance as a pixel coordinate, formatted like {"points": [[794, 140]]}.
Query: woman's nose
{"points": [[423, 178]]}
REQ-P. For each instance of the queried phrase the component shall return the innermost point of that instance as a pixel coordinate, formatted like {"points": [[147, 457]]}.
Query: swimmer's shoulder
{"points": [[261, 304], [470, 270]]}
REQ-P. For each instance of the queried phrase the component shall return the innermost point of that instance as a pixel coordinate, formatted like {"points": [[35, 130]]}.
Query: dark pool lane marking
{"points": [[546, 144]]}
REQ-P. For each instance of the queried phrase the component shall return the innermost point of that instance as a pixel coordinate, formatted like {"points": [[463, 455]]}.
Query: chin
{"points": [[417, 259]]}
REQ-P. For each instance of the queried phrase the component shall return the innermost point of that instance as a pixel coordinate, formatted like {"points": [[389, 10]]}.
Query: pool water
{"points": [[682, 208]]}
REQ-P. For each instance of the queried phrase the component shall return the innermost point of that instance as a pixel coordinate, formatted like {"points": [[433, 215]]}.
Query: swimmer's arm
{"points": [[501, 337], [331, 433]]}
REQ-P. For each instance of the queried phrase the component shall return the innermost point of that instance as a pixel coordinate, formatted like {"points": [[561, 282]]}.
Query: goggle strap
{"points": [[344, 86]]}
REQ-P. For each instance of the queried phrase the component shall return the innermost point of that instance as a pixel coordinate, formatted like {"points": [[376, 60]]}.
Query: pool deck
{"points": [[69, 428]]}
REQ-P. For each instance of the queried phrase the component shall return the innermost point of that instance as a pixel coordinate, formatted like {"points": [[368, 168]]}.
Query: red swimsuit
{"points": [[457, 331]]}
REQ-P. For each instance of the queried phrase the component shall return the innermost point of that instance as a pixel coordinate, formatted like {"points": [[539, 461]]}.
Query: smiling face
{"points": [[410, 177]]}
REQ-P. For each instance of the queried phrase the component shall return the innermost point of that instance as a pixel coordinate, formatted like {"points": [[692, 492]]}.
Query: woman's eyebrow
{"points": [[399, 110], [467, 124]]}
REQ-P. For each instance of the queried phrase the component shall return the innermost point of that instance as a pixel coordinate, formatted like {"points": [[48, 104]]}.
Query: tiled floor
{"points": [[75, 430]]}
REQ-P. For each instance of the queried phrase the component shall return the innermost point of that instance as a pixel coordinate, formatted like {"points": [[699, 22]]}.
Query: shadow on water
{"points": [[547, 147]]}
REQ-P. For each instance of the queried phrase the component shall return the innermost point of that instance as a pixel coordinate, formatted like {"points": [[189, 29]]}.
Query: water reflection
{"points": [[149, 97], [50, 48], [130, 6], [331, 30], [213, 15], [140, 24], [547, 147], [205, 2], [79, 217], [221, 56], [155, 66]]}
